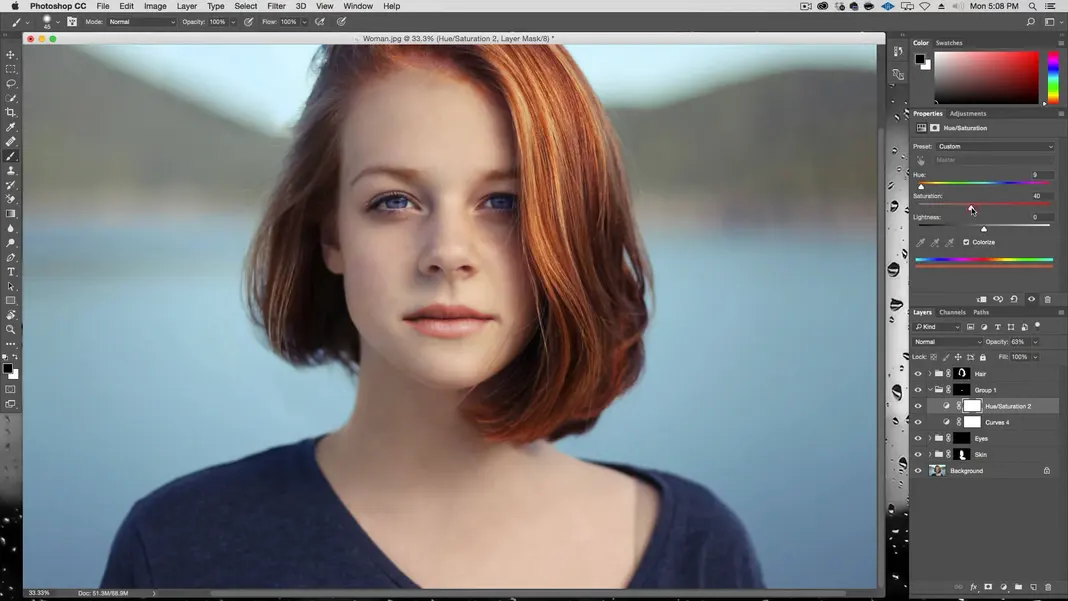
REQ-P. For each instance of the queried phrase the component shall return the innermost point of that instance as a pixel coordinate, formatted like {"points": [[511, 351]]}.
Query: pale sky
{"points": [[265, 85]]}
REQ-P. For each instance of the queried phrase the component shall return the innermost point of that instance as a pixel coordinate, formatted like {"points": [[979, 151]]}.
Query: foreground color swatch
{"points": [[986, 77], [1053, 78]]}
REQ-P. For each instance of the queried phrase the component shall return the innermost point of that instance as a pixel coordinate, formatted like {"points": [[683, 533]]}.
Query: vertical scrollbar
{"points": [[11, 176]]}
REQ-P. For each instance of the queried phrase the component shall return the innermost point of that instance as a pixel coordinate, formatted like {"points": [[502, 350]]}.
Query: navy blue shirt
{"points": [[272, 520]]}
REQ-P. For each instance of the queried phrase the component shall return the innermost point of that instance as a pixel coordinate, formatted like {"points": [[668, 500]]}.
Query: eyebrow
{"points": [[414, 175]]}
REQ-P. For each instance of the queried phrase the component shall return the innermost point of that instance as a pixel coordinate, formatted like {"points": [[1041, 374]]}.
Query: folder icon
{"points": [[938, 438], [973, 405], [939, 373], [938, 453], [939, 389], [972, 421]]}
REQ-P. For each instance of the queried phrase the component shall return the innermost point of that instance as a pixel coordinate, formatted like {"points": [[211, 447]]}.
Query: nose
{"points": [[448, 247]]}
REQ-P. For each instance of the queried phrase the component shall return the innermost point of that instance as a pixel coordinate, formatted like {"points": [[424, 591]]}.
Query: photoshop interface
{"points": [[972, 152]]}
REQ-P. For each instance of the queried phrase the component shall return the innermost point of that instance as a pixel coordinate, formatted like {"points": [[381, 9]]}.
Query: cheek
{"points": [[520, 290], [372, 276]]}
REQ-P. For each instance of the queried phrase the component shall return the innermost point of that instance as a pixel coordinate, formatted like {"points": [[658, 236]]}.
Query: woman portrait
{"points": [[453, 225]]}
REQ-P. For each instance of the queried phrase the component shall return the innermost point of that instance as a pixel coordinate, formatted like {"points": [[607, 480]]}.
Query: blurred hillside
{"points": [[783, 147], [786, 147], [113, 141]]}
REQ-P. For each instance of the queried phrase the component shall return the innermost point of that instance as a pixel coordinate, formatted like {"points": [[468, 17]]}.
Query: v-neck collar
{"points": [[336, 511]]}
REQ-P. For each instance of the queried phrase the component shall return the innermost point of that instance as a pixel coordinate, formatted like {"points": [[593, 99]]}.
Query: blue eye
{"points": [[391, 202], [501, 202]]}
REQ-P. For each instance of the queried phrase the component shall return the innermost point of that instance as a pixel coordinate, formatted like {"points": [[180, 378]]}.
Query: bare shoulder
{"points": [[618, 494], [615, 481]]}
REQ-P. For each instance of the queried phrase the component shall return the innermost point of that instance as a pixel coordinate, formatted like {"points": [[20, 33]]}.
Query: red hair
{"points": [[579, 237]]}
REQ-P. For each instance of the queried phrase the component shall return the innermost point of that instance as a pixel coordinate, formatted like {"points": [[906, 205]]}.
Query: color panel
{"points": [[986, 77], [1053, 78]]}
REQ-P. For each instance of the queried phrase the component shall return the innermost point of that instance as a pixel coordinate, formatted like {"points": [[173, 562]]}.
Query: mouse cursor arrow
{"points": [[972, 211]]}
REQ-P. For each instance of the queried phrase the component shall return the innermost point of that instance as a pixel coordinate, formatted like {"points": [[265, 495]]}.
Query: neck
{"points": [[404, 435]]}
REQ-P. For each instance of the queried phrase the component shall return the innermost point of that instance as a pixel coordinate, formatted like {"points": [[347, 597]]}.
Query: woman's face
{"points": [[426, 217]]}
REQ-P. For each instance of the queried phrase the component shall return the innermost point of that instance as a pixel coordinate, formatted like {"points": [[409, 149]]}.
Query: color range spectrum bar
{"points": [[984, 262], [1053, 78], [982, 183]]}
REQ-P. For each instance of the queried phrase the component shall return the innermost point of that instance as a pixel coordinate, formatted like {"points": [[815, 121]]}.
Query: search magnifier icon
{"points": [[10, 328], [1030, 21], [1032, 6]]}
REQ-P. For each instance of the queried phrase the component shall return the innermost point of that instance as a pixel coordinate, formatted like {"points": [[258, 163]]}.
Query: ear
{"points": [[332, 258], [331, 246]]}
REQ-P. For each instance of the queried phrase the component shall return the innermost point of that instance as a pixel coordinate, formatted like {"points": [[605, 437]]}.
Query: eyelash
{"points": [[377, 203]]}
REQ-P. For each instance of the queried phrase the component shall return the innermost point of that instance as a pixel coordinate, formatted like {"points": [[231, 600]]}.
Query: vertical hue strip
{"points": [[1053, 78]]}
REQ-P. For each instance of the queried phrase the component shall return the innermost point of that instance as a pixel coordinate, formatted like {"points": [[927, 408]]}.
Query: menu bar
{"points": [[53, 23]]}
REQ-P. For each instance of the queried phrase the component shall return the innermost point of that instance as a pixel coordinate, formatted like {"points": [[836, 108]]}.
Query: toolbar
{"points": [[11, 227], [543, 6]]}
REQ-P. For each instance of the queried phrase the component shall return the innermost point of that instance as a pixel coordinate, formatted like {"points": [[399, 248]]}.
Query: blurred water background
{"points": [[754, 169]]}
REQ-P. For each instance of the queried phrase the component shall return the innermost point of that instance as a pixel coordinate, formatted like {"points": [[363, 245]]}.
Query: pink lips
{"points": [[447, 321]]}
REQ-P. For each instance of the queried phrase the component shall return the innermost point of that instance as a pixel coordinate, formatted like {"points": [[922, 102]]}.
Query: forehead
{"points": [[420, 116]]}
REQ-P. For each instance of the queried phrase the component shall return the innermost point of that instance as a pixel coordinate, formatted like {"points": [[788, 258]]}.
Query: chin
{"points": [[446, 379], [455, 371]]}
